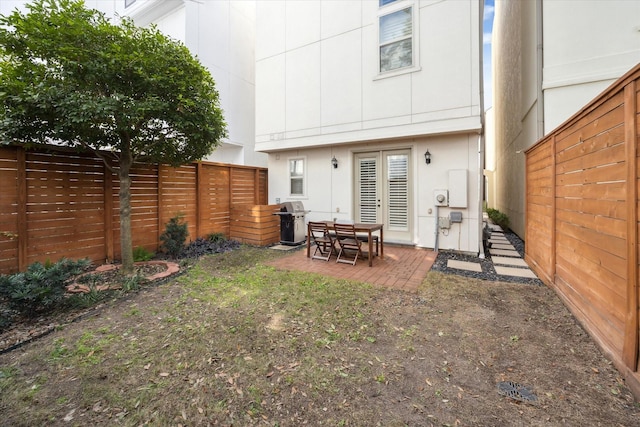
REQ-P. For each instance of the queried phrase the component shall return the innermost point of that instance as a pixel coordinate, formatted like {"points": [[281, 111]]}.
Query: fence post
{"points": [[23, 235], [630, 346]]}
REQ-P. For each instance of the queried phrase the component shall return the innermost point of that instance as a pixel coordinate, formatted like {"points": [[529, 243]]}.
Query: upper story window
{"points": [[296, 177], [128, 3], [385, 2], [396, 39]]}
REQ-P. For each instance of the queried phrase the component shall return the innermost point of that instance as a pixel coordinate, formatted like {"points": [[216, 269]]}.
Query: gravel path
{"points": [[488, 272]]}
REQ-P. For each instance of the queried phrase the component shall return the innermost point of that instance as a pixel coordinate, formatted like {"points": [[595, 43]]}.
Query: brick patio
{"points": [[403, 267]]}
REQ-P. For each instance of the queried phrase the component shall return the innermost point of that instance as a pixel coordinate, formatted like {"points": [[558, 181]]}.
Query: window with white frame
{"points": [[296, 177], [128, 3], [396, 38]]}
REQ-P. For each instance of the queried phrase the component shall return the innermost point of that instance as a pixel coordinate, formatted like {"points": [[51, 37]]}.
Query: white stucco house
{"points": [[221, 34], [550, 59], [343, 99], [375, 85]]}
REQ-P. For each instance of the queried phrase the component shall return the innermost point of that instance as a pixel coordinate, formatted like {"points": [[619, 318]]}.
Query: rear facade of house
{"points": [[375, 85]]}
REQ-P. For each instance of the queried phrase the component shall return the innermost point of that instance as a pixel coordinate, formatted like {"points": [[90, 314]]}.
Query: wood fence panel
{"points": [[8, 209], [144, 208], [179, 194], [255, 224], [263, 184], [215, 199], [64, 205], [593, 260], [539, 182], [243, 187], [61, 203]]}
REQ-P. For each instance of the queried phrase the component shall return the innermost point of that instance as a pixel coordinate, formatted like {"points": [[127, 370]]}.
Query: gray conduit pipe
{"points": [[435, 248]]}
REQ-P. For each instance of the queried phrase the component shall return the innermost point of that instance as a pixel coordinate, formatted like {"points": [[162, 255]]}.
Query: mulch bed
{"points": [[103, 278]]}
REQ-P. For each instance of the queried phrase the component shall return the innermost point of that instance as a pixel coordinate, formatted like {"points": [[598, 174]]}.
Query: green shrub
{"points": [[42, 287], [174, 236], [141, 253], [498, 218]]}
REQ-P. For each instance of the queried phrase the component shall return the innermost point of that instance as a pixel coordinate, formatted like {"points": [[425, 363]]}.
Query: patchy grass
{"points": [[235, 342]]}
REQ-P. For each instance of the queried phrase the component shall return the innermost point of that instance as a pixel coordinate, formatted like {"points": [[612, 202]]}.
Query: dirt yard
{"points": [[234, 342]]}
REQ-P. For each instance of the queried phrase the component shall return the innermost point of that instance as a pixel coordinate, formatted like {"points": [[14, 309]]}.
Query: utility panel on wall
{"points": [[458, 188]]}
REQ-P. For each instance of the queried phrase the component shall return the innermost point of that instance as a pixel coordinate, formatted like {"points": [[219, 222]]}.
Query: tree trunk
{"points": [[126, 242]]}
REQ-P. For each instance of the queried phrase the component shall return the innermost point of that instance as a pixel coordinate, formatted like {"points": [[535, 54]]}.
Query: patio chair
{"points": [[319, 235], [348, 242], [364, 238]]}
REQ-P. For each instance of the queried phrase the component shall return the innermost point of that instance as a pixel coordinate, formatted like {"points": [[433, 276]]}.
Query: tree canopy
{"points": [[70, 75]]}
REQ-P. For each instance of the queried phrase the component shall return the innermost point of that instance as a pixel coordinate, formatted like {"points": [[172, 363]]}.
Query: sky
{"points": [[487, 29]]}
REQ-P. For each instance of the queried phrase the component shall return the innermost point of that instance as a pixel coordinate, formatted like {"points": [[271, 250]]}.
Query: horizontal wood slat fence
{"points": [[56, 202], [582, 229]]}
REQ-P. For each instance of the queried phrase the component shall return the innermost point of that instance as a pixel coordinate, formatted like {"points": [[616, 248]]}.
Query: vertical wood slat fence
{"points": [[57, 203], [582, 228]]}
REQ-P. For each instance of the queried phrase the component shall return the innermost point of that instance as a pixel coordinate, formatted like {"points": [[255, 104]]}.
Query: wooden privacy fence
{"points": [[56, 202], [582, 219]]}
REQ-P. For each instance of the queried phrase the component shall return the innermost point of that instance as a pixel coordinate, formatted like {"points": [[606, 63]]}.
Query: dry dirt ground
{"points": [[234, 342]]}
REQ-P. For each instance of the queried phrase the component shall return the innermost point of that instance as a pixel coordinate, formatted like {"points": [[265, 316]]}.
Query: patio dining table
{"points": [[359, 228]]}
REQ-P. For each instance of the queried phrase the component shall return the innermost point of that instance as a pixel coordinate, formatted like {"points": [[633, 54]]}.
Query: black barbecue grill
{"points": [[292, 225]]}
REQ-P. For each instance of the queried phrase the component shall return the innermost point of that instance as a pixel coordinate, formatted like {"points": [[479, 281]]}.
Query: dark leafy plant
{"points": [[133, 283], [89, 299], [216, 237], [141, 253], [498, 218], [174, 236], [42, 287], [201, 247]]}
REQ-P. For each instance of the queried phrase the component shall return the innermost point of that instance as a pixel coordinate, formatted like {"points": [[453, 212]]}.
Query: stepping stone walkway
{"points": [[506, 260]]}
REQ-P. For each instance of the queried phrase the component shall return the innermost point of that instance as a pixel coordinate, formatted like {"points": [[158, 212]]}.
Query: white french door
{"points": [[382, 192]]}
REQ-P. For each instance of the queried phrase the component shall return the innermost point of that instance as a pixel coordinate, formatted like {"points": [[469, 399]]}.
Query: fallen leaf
{"points": [[164, 374], [69, 415]]}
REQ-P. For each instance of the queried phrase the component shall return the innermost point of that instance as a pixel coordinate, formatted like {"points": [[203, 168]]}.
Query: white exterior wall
{"points": [[319, 95], [584, 47], [317, 79], [221, 34]]}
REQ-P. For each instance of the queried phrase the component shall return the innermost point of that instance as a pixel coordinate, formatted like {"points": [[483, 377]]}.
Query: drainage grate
{"points": [[516, 391]]}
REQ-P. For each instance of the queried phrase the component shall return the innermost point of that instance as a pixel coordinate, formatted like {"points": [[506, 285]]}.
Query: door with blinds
{"points": [[382, 192]]}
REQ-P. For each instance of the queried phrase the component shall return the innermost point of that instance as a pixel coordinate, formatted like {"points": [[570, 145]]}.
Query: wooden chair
{"points": [[319, 235], [347, 241], [364, 238]]}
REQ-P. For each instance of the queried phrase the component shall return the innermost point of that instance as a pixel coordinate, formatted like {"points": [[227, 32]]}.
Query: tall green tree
{"points": [[70, 75]]}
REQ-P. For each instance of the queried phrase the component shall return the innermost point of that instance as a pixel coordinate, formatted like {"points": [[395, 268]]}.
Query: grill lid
{"points": [[292, 207]]}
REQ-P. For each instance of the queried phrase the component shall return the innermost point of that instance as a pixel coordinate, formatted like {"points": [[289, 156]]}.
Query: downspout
{"points": [[539, 69]]}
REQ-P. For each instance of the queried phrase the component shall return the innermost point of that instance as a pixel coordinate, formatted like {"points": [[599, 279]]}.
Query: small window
{"points": [[396, 40], [128, 3], [296, 177], [386, 2]]}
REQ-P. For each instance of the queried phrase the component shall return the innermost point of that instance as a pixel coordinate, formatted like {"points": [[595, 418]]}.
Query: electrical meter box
{"points": [[441, 197]]}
